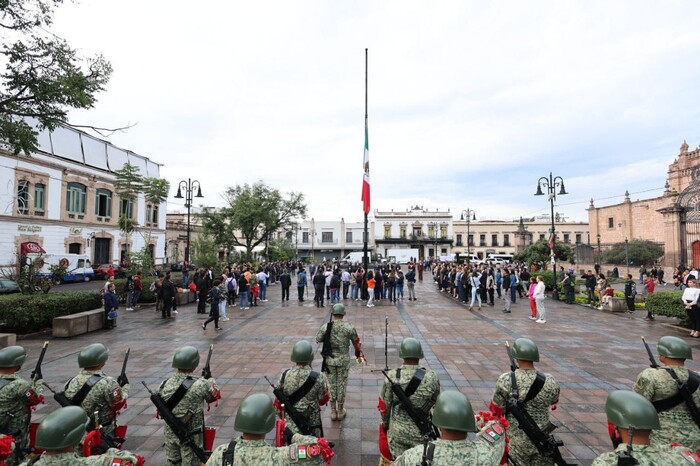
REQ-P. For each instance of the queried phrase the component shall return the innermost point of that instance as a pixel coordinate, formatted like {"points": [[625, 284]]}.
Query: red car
{"points": [[101, 271]]}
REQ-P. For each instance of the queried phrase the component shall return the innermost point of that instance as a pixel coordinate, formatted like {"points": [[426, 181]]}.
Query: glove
{"points": [[206, 373], [122, 380], [36, 375], [288, 434], [357, 353]]}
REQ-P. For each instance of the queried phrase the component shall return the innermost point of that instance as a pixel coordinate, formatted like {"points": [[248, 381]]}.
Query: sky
{"points": [[469, 102]]}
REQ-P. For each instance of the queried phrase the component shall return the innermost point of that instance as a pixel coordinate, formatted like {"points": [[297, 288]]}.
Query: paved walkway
{"points": [[590, 352]]}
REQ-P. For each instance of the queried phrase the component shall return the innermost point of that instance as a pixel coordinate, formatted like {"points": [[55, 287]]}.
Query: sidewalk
{"points": [[590, 352]]}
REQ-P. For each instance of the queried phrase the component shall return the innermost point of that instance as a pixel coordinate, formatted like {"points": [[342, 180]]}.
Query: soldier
{"points": [[61, 431], [635, 417], [17, 397], [94, 391], [422, 388], [659, 387], [307, 390], [341, 337], [536, 391], [455, 418], [185, 394], [255, 418]]}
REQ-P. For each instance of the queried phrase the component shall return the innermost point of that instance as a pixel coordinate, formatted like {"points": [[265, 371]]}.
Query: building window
{"points": [[305, 237], [23, 197], [506, 240], [459, 239], [348, 236], [151, 215], [402, 231], [417, 232], [431, 231], [103, 204], [578, 238], [470, 240], [566, 238], [387, 231], [443, 231], [74, 248], [126, 207], [611, 222], [494, 240], [39, 198], [75, 199], [326, 236], [541, 236], [482, 240]]}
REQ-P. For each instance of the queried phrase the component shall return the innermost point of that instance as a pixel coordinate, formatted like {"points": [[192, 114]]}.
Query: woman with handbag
{"points": [[111, 305]]}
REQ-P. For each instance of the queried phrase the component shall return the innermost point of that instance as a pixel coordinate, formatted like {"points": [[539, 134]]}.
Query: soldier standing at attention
{"points": [[17, 397], [307, 390], [635, 420], [536, 390], [254, 419], [342, 335], [658, 386], [455, 418], [93, 390], [422, 388]]}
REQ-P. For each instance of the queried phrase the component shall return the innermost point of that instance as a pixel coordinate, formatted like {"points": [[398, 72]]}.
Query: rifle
{"points": [[326, 351], [179, 429], [122, 380], [60, 397], [652, 361], [301, 422], [386, 345], [206, 371], [426, 427], [36, 373], [546, 444], [625, 458]]}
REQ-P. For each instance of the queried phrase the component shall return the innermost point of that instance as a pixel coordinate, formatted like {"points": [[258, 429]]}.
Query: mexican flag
{"points": [[365, 177]]}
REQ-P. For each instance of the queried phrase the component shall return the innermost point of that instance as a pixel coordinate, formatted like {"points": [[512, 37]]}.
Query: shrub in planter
{"points": [[667, 303], [24, 313]]}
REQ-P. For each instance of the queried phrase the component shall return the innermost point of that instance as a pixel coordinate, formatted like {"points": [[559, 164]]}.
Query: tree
{"points": [[252, 213], [44, 77], [206, 252], [640, 252], [540, 252], [280, 249]]}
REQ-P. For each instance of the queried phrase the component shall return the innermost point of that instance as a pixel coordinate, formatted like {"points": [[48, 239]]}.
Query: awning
{"points": [[30, 247]]}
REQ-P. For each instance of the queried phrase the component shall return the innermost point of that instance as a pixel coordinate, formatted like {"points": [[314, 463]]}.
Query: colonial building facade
{"points": [[430, 232], [315, 240]]}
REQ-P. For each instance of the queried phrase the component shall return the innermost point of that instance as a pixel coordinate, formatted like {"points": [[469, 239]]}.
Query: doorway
{"points": [[102, 248]]}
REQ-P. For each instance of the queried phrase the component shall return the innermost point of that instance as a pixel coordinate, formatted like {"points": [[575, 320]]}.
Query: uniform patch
{"points": [[691, 457], [498, 429], [492, 433], [301, 452]]}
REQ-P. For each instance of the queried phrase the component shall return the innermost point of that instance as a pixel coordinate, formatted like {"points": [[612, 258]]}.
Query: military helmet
{"points": [[186, 358], [12, 356], [626, 408], [255, 415], [302, 352], [62, 428], [93, 355], [453, 411], [338, 309], [525, 350], [675, 348], [410, 349]]}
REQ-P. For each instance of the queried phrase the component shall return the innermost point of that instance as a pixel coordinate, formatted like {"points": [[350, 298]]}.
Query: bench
{"points": [[185, 298], [79, 323], [7, 339], [615, 305]]}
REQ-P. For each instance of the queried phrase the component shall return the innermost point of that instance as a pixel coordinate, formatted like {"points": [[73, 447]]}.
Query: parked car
{"points": [[101, 271], [8, 286]]}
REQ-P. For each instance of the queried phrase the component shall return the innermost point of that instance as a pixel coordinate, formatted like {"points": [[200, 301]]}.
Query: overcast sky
{"points": [[470, 102]]}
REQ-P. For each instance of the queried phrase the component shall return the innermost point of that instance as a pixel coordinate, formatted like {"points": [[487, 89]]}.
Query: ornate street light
{"points": [[551, 184], [469, 215], [188, 186], [627, 255]]}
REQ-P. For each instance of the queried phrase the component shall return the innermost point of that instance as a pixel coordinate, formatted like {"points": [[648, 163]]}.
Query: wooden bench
{"points": [[79, 323]]}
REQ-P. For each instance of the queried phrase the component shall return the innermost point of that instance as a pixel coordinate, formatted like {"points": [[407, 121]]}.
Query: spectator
{"points": [[649, 287], [111, 305], [138, 289], [690, 300], [129, 289], [590, 287], [630, 293], [539, 300], [531, 295], [370, 288]]}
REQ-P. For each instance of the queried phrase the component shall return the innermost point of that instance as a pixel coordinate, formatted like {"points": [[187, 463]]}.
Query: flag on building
{"points": [[365, 178]]}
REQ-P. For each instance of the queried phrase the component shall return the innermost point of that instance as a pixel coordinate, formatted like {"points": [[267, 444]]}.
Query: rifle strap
{"points": [[79, 397], [671, 402], [302, 391], [536, 387], [179, 393], [428, 454], [5, 382], [228, 454]]}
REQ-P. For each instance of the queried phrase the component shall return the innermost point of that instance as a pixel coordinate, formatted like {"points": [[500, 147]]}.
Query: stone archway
{"points": [[689, 206]]}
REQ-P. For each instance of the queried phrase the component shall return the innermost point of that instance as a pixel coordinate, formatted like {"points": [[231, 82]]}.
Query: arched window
{"points": [[23, 197]]}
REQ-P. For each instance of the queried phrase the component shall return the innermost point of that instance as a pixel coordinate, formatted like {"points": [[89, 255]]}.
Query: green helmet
{"points": [[255, 415], [525, 350], [186, 358], [675, 348], [338, 309], [12, 356], [453, 411], [410, 349], [302, 352], [93, 355], [62, 428], [626, 408]]}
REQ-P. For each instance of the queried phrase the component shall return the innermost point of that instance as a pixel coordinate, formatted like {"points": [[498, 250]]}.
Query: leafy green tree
{"points": [[640, 252], [280, 249], [206, 251], [540, 252], [44, 77]]}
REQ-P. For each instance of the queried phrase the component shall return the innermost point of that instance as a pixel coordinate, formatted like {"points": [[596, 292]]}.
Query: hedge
{"points": [[667, 303], [26, 313]]}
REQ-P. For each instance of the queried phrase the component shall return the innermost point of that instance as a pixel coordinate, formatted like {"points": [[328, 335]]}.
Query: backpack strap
{"points": [[536, 387], [79, 397], [675, 400], [5, 382], [179, 393], [227, 459], [304, 389]]}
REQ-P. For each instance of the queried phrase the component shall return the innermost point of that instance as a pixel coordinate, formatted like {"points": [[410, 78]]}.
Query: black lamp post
{"points": [[188, 186], [627, 255], [469, 215], [600, 255], [551, 184]]}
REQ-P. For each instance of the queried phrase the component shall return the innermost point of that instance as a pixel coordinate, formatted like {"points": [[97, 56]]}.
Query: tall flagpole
{"points": [[365, 260]]}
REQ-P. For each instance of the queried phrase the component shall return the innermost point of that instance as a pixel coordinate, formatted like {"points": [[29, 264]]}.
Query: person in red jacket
{"points": [[649, 282]]}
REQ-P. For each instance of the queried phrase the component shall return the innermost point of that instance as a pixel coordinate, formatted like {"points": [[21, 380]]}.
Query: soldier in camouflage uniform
{"points": [[655, 384], [522, 450], [254, 419], [17, 397], [291, 380], [455, 418], [61, 431], [189, 409], [107, 395], [634, 416], [402, 432], [342, 336]]}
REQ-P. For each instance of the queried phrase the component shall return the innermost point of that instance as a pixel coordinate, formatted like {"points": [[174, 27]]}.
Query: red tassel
{"points": [[6, 446], [381, 406], [326, 450], [141, 460]]}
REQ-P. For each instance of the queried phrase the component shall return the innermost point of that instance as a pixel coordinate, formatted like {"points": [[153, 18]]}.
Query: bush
{"points": [[667, 303], [23, 313]]}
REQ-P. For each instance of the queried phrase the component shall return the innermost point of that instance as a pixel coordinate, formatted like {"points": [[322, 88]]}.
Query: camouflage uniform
{"points": [[403, 432], [16, 401], [106, 397], [260, 453], [649, 455], [485, 450], [72, 459], [343, 336], [191, 412], [677, 425], [309, 405], [521, 448]]}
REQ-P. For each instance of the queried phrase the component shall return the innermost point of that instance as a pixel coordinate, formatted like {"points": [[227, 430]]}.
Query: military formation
{"points": [[655, 423]]}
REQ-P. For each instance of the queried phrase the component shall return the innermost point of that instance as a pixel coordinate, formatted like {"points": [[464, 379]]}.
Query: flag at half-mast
{"points": [[365, 178]]}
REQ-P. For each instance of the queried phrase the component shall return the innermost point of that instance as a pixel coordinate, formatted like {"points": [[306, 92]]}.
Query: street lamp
{"points": [[600, 255], [551, 184], [627, 255], [188, 186], [469, 215]]}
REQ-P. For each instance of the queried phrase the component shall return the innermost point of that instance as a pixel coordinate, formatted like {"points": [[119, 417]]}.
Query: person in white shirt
{"points": [[539, 300], [690, 300], [262, 283]]}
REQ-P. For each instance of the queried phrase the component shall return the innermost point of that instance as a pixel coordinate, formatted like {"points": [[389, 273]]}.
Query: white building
{"points": [[62, 197], [329, 240], [430, 232]]}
